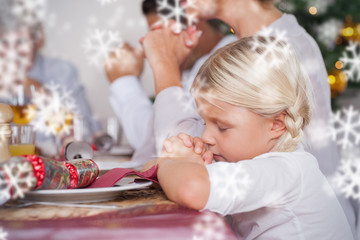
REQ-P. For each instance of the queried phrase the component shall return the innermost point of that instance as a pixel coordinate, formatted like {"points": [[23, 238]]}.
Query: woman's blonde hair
{"points": [[263, 75]]}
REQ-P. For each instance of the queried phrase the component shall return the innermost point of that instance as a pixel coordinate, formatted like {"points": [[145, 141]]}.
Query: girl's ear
{"points": [[278, 126]]}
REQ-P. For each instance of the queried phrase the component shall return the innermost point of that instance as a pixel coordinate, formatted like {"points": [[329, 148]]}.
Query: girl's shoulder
{"points": [[299, 157]]}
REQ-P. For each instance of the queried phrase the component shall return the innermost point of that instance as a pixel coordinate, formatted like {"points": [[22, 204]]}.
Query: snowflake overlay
{"points": [[187, 101], [209, 227], [205, 92], [328, 31], [3, 234], [321, 133], [16, 178], [352, 61], [104, 2], [347, 178], [231, 181], [55, 111], [14, 62], [271, 42], [99, 44], [175, 10], [30, 11], [346, 130]]}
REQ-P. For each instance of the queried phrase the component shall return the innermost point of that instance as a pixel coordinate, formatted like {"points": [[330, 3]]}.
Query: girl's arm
{"points": [[186, 183], [182, 173]]}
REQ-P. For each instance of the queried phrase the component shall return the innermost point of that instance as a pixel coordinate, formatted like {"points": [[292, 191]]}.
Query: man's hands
{"points": [[166, 48], [124, 61], [188, 148], [169, 43]]}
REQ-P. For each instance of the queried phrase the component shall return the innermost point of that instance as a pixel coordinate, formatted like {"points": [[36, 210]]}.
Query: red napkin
{"points": [[114, 175]]}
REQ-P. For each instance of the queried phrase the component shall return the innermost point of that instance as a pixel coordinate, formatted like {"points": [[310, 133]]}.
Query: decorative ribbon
{"points": [[114, 175]]}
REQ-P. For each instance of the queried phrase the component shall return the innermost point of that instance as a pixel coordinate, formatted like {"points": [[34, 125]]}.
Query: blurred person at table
{"points": [[39, 70], [262, 179], [247, 18], [128, 99]]}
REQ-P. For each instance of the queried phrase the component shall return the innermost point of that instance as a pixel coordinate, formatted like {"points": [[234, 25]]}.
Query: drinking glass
{"points": [[113, 129], [22, 140], [20, 102]]}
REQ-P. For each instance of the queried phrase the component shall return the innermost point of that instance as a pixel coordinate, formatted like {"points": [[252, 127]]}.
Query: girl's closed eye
{"points": [[222, 128]]}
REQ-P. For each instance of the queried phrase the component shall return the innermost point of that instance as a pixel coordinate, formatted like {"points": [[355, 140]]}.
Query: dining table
{"points": [[143, 212]]}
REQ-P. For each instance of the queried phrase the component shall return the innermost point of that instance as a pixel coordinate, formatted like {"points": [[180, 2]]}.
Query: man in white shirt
{"points": [[131, 103]]}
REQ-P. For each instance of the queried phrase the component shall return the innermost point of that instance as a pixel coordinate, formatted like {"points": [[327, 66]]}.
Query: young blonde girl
{"points": [[254, 99]]}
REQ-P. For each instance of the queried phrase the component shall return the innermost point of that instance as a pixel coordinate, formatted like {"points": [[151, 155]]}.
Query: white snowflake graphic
{"points": [[15, 52], [29, 11], [328, 31], [99, 44], [320, 134], [205, 92], [187, 102], [168, 10], [231, 180], [3, 234], [16, 178], [104, 2], [270, 42], [175, 10], [4, 188], [208, 226], [195, 6], [56, 110], [347, 177], [352, 61], [346, 130]]}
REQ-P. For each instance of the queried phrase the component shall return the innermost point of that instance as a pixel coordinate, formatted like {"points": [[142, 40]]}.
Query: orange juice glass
{"points": [[22, 140]]}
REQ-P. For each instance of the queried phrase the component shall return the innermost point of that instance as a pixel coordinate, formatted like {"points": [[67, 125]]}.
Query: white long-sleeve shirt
{"points": [[277, 195], [318, 140]]}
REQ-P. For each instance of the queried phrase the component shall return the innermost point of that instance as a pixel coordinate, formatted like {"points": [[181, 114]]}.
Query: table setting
{"points": [[52, 198]]}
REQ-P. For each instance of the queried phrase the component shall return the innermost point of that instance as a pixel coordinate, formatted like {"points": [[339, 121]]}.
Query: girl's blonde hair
{"points": [[263, 75]]}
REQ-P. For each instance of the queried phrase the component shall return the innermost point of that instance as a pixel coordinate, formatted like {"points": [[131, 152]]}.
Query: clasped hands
{"points": [[164, 45], [183, 148], [186, 148]]}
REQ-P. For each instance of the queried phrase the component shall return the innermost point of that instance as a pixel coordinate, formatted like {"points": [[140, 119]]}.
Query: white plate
{"points": [[121, 150], [116, 151], [108, 165], [82, 195]]}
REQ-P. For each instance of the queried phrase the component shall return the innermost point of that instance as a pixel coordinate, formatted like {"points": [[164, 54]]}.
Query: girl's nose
{"points": [[207, 137]]}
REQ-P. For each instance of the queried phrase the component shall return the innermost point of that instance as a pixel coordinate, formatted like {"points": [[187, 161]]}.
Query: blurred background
{"points": [[69, 24], [81, 33]]}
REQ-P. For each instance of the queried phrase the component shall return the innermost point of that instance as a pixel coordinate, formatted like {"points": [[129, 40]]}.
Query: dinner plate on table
{"points": [[85, 195], [107, 165], [123, 150]]}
